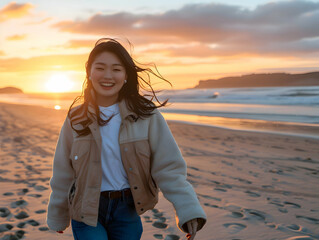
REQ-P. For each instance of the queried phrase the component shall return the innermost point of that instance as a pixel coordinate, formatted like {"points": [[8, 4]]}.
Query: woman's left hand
{"points": [[192, 229]]}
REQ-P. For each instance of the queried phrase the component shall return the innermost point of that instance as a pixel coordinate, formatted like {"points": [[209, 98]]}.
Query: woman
{"points": [[114, 151]]}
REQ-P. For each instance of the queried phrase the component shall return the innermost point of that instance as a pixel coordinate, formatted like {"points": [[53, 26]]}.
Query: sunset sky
{"points": [[44, 44]]}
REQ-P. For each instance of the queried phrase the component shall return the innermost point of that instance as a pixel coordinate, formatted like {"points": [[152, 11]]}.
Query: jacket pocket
{"points": [[144, 160], [79, 153], [71, 193]]}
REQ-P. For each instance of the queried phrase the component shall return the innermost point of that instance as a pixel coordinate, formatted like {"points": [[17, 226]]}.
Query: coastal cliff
{"points": [[262, 80], [7, 90]]}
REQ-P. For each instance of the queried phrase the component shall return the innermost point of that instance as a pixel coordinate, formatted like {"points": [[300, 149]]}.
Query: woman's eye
{"points": [[99, 69], [117, 70]]}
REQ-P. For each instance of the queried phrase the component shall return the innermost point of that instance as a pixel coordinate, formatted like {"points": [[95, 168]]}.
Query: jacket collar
{"points": [[125, 112]]}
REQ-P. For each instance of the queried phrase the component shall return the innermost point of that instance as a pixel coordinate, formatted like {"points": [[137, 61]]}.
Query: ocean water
{"points": [[286, 104], [282, 105]]}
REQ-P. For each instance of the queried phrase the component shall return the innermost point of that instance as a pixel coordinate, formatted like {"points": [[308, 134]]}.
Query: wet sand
{"points": [[251, 185]]}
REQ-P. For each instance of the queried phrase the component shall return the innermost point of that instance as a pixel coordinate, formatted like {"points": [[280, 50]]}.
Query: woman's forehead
{"points": [[107, 58]]}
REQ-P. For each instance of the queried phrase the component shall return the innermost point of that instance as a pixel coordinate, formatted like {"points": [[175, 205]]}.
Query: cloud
{"points": [[14, 10], [77, 43], [47, 19], [282, 28], [44, 63], [17, 37]]}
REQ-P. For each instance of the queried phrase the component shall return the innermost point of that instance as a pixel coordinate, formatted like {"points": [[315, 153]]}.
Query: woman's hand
{"points": [[59, 231], [192, 229]]}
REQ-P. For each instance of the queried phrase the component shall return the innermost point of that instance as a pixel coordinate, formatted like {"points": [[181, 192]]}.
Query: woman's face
{"points": [[107, 75]]}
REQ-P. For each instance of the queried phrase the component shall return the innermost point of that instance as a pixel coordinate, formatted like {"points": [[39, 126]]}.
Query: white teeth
{"points": [[107, 84]]}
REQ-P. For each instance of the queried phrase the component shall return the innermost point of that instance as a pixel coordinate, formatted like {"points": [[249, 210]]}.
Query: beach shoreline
{"points": [[249, 125], [238, 124], [251, 185]]}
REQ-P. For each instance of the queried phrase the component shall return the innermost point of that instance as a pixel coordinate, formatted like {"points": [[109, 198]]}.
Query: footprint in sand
{"points": [[254, 174], [295, 227], [147, 219], [4, 212], [172, 237], [282, 210], [20, 203], [18, 235], [23, 191], [211, 205], [236, 215], [21, 215], [159, 225], [159, 216], [158, 236], [309, 219], [275, 201], [33, 223], [252, 194], [40, 188], [278, 147], [194, 168], [291, 228], [5, 227], [40, 211], [314, 210], [252, 214], [210, 197], [220, 189], [294, 205], [8, 194], [234, 227], [243, 180], [35, 195], [43, 229], [227, 163], [21, 225]]}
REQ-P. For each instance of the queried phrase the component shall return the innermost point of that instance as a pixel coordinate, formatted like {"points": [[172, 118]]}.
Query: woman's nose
{"points": [[108, 74]]}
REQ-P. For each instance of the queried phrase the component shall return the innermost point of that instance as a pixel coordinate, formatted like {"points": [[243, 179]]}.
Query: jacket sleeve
{"points": [[169, 172], [58, 218]]}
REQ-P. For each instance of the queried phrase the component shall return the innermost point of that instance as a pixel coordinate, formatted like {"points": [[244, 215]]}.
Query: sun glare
{"points": [[59, 82]]}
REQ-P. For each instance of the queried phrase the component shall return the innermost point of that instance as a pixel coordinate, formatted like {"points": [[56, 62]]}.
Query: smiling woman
{"points": [[59, 82]]}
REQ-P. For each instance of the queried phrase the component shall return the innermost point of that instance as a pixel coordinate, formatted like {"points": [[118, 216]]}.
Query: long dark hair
{"points": [[130, 92]]}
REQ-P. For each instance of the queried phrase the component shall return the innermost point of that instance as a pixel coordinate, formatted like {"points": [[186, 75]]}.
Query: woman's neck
{"points": [[106, 102]]}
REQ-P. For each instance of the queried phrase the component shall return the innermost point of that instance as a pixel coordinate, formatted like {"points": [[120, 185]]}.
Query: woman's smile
{"points": [[107, 85]]}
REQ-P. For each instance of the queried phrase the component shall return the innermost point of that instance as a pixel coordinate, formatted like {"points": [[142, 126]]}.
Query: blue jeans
{"points": [[117, 220]]}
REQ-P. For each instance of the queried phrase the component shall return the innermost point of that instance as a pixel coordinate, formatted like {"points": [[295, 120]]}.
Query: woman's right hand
{"points": [[59, 231]]}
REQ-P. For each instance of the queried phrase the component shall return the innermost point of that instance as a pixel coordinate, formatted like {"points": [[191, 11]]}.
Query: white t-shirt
{"points": [[114, 176]]}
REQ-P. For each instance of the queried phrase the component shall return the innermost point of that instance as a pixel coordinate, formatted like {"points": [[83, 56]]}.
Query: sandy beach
{"points": [[251, 185]]}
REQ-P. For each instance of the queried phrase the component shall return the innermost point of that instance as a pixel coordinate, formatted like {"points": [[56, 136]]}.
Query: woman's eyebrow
{"points": [[115, 64]]}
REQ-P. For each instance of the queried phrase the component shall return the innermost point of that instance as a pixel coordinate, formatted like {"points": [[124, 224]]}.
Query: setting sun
{"points": [[59, 82]]}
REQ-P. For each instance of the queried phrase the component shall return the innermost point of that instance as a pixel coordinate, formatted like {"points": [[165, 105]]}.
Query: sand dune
{"points": [[251, 185]]}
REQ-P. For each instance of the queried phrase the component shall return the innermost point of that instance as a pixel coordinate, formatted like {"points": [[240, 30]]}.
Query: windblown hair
{"points": [[130, 92]]}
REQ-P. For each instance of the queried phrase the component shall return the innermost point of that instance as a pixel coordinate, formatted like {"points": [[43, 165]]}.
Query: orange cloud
{"points": [[14, 10], [17, 37], [80, 44], [41, 21], [44, 63]]}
